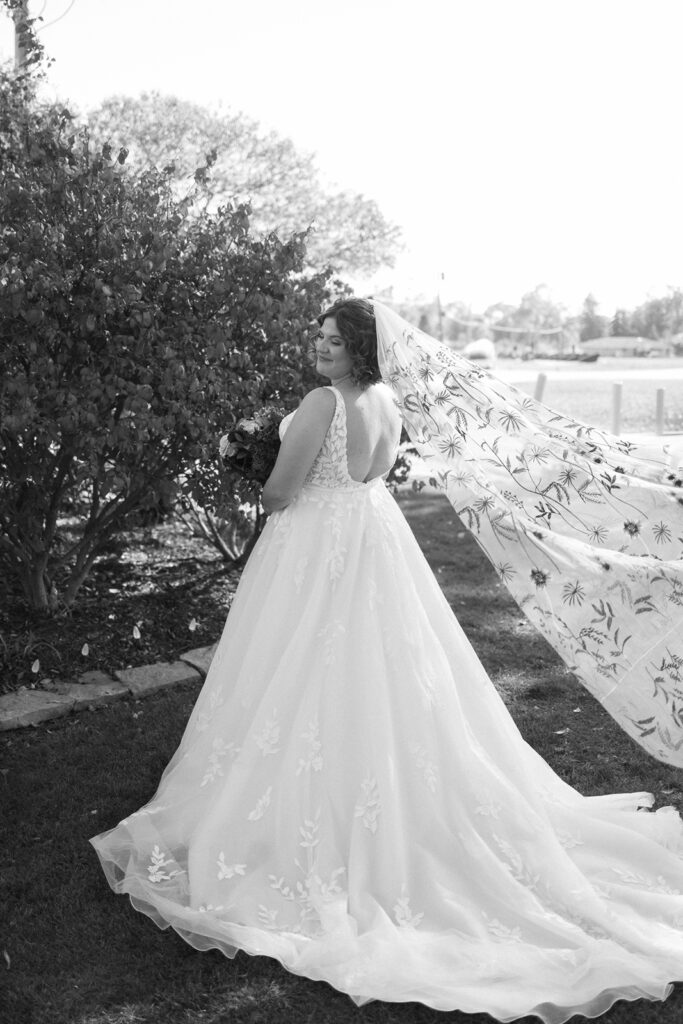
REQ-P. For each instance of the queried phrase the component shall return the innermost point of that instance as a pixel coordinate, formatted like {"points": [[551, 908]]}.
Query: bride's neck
{"points": [[345, 380]]}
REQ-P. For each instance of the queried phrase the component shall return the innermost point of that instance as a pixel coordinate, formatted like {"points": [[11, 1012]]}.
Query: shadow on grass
{"points": [[80, 955]]}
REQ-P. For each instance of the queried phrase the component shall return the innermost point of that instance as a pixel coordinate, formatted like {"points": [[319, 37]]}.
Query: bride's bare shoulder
{"points": [[386, 400], [317, 405], [321, 397]]}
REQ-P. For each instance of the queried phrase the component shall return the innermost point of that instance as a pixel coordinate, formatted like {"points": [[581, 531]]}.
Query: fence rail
{"points": [[617, 402]]}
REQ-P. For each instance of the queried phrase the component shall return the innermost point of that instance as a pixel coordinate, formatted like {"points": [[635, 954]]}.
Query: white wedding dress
{"points": [[352, 798]]}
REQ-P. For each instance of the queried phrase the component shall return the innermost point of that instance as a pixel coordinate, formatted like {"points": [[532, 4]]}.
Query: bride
{"points": [[351, 796]]}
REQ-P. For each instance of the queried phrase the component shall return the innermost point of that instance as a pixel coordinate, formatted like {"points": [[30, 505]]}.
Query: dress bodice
{"points": [[330, 468]]}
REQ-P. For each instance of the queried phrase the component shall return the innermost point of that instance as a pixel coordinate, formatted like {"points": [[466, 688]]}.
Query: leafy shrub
{"points": [[132, 333]]}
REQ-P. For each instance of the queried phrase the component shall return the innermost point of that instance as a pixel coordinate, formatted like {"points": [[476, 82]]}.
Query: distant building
{"points": [[481, 351], [625, 346]]}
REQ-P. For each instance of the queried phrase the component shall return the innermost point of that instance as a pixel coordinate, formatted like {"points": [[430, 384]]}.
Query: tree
{"points": [[132, 333], [538, 316], [660, 317], [620, 326], [592, 324], [537, 311], [282, 185], [29, 50]]}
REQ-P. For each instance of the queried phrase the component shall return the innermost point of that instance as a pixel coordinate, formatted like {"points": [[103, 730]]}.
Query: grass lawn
{"points": [[590, 400], [77, 954]]}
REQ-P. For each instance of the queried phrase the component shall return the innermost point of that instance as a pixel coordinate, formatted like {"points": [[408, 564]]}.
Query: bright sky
{"points": [[515, 141]]}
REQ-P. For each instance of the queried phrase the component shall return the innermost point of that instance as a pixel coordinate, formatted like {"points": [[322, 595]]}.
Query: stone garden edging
{"points": [[94, 689]]}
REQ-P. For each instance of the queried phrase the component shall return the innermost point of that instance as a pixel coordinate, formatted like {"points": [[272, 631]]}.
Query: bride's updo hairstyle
{"points": [[355, 319]]}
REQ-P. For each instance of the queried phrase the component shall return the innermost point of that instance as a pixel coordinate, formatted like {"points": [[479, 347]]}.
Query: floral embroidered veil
{"points": [[585, 529]]}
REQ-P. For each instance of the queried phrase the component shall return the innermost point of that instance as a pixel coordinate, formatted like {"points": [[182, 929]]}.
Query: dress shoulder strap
{"points": [[340, 407]]}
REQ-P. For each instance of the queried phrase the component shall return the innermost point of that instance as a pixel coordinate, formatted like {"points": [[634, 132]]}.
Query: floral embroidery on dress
{"points": [[335, 564], [330, 635], [281, 887], [336, 559], [309, 832], [403, 914], [261, 805], [229, 870], [268, 918], [519, 870], [312, 761], [329, 468], [487, 807], [568, 914], [568, 840], [427, 768], [326, 890], [368, 808], [500, 931], [268, 739], [337, 513], [216, 699], [658, 884], [308, 891], [383, 530], [158, 861], [215, 767]]}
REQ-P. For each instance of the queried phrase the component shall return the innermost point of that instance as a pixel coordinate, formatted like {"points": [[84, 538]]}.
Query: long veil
{"points": [[584, 529]]}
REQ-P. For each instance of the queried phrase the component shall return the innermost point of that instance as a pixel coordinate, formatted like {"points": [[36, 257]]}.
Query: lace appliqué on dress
{"points": [[330, 469]]}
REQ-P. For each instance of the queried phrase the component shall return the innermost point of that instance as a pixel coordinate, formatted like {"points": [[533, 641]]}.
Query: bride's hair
{"points": [[355, 319]]}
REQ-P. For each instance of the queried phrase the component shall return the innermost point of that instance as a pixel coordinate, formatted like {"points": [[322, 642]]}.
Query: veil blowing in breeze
{"points": [[584, 529]]}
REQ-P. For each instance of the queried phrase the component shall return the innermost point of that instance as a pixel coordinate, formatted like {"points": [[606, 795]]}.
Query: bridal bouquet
{"points": [[250, 448]]}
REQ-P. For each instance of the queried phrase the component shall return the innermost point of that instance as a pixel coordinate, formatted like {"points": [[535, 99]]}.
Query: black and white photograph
{"points": [[341, 512]]}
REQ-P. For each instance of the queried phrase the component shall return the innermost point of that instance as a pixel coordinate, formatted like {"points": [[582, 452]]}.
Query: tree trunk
{"points": [[77, 578], [21, 34], [40, 593]]}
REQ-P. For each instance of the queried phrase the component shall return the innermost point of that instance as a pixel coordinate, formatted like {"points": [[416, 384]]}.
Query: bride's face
{"points": [[332, 360]]}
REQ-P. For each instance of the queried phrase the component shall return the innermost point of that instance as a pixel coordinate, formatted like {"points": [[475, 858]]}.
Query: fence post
{"points": [[540, 387], [617, 389], [659, 412]]}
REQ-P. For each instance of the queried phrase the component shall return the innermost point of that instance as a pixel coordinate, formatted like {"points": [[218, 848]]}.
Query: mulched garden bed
{"points": [[159, 591]]}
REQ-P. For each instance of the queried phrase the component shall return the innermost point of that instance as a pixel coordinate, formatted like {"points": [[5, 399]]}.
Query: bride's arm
{"points": [[300, 445]]}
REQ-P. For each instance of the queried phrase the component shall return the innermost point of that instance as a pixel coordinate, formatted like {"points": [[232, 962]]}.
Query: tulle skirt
{"points": [[352, 798]]}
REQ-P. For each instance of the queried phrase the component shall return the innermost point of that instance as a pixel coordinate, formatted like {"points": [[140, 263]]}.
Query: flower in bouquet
{"points": [[251, 447]]}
